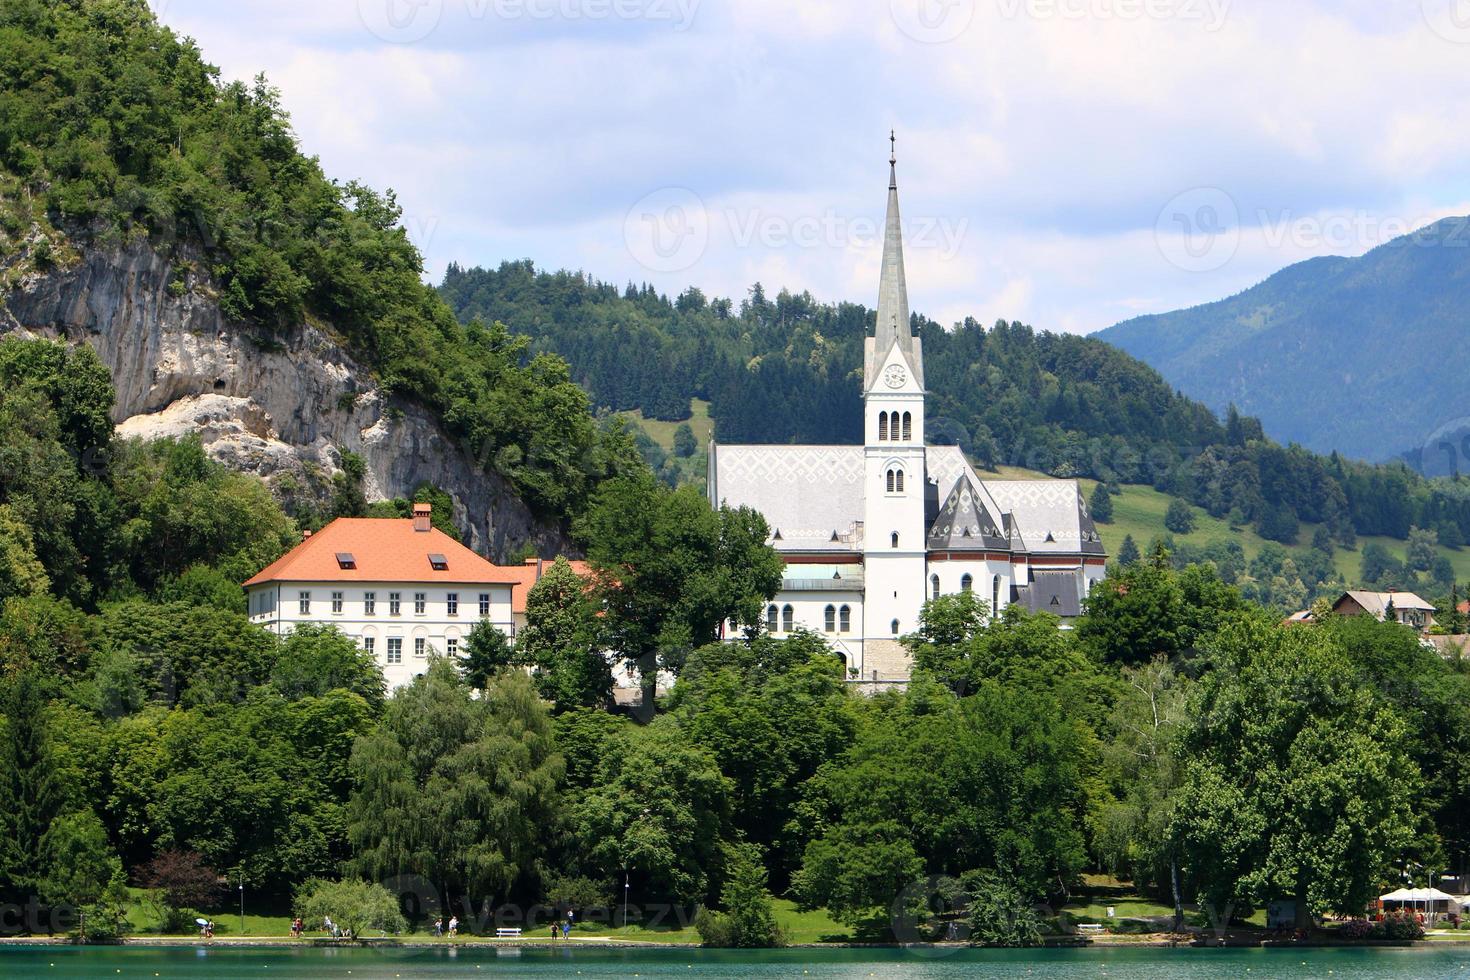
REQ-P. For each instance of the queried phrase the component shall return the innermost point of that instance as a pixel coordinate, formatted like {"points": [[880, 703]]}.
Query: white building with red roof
{"points": [[400, 587]]}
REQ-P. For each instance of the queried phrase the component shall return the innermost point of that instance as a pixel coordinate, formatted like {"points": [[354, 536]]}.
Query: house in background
{"points": [[1405, 608], [400, 587]]}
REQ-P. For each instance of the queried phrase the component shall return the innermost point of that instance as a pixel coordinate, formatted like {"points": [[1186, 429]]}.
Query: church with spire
{"points": [[870, 533]]}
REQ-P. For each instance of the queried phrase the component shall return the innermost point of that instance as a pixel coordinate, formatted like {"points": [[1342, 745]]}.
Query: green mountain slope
{"points": [[1365, 356]]}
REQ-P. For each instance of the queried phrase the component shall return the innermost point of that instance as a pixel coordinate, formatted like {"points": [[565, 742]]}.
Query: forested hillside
{"points": [[116, 132], [785, 370], [1363, 355]]}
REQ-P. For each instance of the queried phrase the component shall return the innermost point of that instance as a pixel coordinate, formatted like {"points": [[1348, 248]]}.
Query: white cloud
{"points": [[1054, 140]]}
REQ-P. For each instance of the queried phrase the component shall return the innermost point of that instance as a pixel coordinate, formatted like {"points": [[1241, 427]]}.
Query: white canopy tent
{"points": [[1429, 901], [1420, 895]]}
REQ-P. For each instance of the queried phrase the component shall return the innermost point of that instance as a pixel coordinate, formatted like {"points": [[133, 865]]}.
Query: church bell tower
{"points": [[893, 405]]}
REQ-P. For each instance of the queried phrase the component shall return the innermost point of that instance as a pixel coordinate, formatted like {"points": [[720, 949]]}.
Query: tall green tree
{"points": [[1299, 781], [457, 789], [1100, 504], [658, 812], [1148, 610], [485, 653], [671, 569], [562, 641]]}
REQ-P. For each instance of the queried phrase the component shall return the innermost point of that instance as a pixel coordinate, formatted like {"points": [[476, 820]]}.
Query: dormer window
{"points": [[439, 563], [345, 561]]}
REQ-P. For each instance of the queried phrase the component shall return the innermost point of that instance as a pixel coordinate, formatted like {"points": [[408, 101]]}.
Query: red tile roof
{"points": [[383, 550]]}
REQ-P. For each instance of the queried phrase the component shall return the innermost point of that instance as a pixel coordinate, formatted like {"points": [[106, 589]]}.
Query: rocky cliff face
{"points": [[282, 408]]}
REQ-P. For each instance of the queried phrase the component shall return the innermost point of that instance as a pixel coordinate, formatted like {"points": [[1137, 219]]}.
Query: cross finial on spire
{"points": [[892, 160]]}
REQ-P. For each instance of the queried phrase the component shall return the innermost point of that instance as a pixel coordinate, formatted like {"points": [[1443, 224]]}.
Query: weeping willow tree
{"points": [[458, 790]]}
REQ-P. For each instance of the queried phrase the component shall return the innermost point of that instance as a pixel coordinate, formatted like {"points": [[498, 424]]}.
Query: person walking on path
{"points": [[453, 926], [438, 926]]}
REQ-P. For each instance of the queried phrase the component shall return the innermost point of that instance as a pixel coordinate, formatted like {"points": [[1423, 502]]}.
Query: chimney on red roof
{"points": [[306, 534], [533, 561], [421, 514]]}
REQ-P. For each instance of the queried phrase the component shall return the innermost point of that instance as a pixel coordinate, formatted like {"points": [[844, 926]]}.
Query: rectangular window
{"points": [[369, 603], [393, 603], [395, 649], [368, 645], [337, 603], [304, 603], [484, 605], [451, 603], [451, 646], [419, 646], [419, 603]]}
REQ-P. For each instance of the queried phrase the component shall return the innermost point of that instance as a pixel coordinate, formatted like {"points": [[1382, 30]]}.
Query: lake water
{"points": [[17, 962]]}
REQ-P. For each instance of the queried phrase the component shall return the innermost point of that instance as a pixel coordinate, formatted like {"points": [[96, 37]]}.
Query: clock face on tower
{"points": [[895, 376]]}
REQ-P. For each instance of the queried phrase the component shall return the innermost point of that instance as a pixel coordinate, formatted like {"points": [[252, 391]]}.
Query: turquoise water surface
{"points": [[659, 964]]}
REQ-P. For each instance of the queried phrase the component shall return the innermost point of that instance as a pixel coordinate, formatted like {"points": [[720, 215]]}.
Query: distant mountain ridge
{"points": [[1366, 356]]}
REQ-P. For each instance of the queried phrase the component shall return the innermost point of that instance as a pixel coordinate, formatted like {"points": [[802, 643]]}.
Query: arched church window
{"points": [[882, 426], [934, 586], [995, 595], [894, 627], [900, 481], [908, 426], [967, 582], [845, 618], [895, 539], [890, 481], [788, 619], [771, 614], [831, 620]]}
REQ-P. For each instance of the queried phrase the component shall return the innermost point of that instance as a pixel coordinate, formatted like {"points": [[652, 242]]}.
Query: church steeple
{"points": [[892, 325]]}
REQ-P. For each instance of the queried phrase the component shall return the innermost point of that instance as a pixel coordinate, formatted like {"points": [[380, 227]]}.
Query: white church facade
{"points": [[869, 533]]}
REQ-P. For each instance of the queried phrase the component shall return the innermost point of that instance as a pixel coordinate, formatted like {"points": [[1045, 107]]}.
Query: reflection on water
{"points": [[218, 963]]}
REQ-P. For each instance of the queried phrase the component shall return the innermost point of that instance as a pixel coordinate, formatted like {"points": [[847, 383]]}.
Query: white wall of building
{"points": [[809, 611], [989, 580], [438, 623]]}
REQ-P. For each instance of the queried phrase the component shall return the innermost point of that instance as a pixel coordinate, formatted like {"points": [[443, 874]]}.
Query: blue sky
{"points": [[1070, 163]]}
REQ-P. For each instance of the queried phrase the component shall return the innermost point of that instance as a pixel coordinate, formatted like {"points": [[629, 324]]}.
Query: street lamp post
{"points": [[625, 874], [242, 901]]}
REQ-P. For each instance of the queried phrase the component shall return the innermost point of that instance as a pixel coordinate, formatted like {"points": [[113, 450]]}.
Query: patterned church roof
{"points": [[806, 493], [963, 523], [812, 497]]}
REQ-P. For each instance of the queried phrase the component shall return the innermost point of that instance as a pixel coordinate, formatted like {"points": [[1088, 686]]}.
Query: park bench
{"points": [[1089, 929], [508, 932]]}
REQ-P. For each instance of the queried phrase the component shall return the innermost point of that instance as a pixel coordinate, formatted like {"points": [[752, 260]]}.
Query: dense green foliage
{"points": [[455, 788], [787, 370], [1284, 349], [114, 129]]}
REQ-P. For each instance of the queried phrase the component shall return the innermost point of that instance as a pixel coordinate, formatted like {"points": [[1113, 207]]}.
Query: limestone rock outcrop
{"points": [[283, 407]]}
